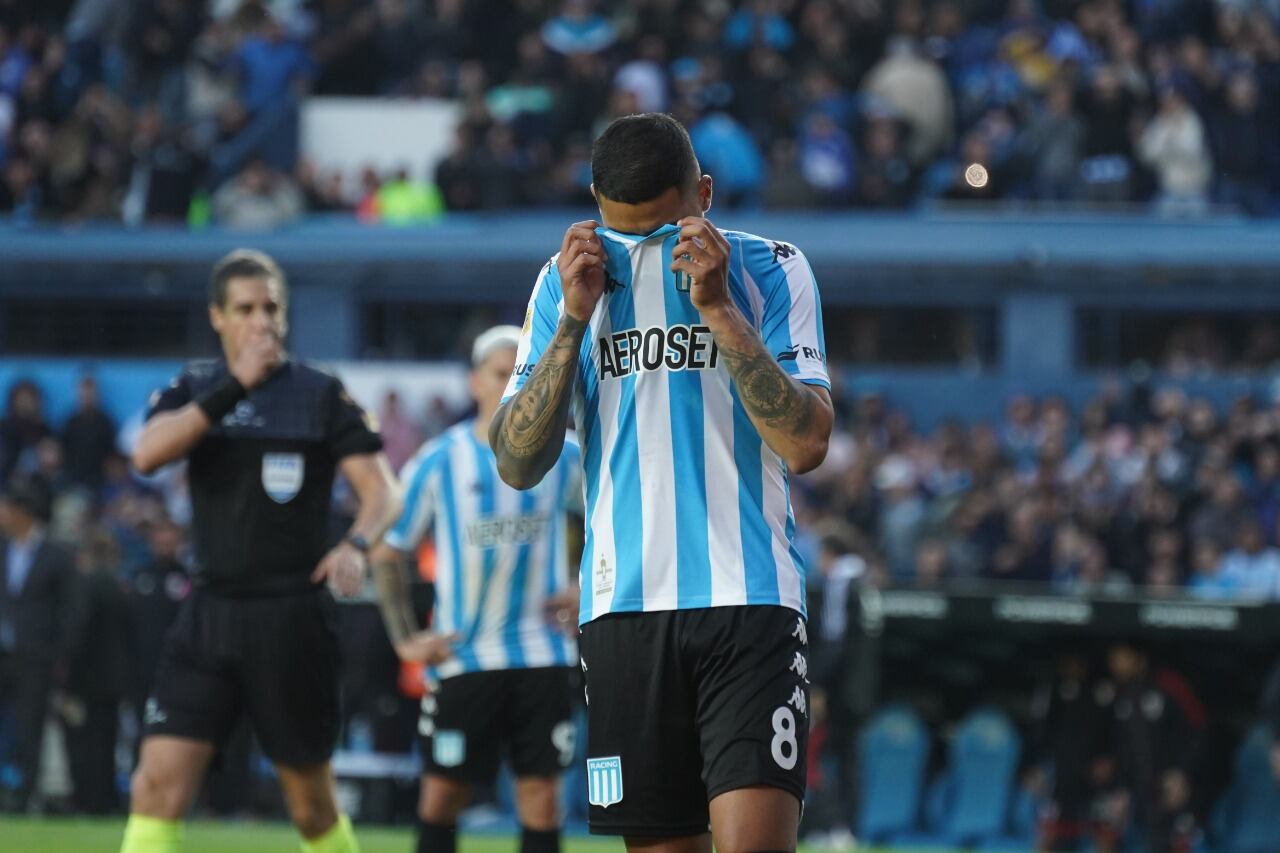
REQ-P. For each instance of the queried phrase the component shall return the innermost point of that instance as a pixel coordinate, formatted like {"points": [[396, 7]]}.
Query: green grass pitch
{"points": [[23, 835]]}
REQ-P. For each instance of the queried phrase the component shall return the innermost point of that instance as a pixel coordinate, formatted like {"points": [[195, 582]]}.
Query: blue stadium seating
{"points": [[969, 804], [893, 750], [1247, 818]]}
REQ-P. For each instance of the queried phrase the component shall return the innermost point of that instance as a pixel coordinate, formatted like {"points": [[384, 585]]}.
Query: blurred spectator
{"points": [[405, 200], [902, 513], [884, 177], [323, 194], [401, 437], [159, 588], [914, 88], [98, 680], [786, 185], [37, 608], [162, 37], [1207, 578], [1026, 552], [21, 428], [1174, 145], [579, 28], [1108, 109], [931, 569], [827, 160], [271, 67], [1245, 148], [1053, 140], [88, 436], [343, 48], [645, 77], [1069, 729], [1156, 737], [1250, 567], [727, 152], [167, 170], [259, 199]]}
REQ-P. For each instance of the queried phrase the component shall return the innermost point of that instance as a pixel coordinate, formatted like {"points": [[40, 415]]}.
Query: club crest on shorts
{"points": [[448, 748], [282, 475], [604, 781]]}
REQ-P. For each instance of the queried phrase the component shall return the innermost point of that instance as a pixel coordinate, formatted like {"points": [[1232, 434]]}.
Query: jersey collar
{"points": [[631, 239]]}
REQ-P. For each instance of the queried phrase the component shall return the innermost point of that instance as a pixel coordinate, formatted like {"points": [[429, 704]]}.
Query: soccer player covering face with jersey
{"points": [[693, 361], [263, 435], [499, 660]]}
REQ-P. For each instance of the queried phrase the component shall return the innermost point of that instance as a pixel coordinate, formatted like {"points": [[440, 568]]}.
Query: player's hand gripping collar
{"points": [[581, 267], [702, 253]]}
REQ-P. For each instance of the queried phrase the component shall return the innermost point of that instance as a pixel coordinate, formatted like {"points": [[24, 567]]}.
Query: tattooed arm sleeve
{"points": [[793, 418], [780, 370], [527, 433]]}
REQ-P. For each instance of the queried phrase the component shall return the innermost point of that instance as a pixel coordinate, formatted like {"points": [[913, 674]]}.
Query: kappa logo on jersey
{"points": [[282, 475], [782, 251], [798, 351], [643, 351], [604, 781], [611, 284], [449, 747], [153, 714]]}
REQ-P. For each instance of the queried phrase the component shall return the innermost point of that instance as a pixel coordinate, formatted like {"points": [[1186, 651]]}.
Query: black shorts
{"points": [[684, 705], [470, 721], [275, 659]]}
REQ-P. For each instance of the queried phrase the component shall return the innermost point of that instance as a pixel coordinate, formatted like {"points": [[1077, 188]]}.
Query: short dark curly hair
{"points": [[639, 157]]}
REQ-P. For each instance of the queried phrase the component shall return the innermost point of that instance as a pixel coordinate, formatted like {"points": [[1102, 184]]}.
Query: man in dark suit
{"points": [[36, 609]]}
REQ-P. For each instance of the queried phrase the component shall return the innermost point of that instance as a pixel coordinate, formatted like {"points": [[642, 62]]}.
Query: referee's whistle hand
{"points": [[344, 570], [258, 354]]}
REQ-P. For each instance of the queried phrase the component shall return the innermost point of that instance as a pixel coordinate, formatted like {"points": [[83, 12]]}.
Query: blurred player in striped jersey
{"points": [[694, 362], [500, 661]]}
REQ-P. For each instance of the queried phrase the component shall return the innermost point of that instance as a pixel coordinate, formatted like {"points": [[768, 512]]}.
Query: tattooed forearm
{"points": [[768, 392], [394, 595], [793, 419], [528, 431]]}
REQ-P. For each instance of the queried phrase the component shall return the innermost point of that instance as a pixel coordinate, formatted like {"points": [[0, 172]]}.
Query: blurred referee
{"points": [[264, 436]]}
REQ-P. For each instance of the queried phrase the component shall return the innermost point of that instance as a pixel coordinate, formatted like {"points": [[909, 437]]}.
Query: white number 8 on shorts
{"points": [[784, 747]]}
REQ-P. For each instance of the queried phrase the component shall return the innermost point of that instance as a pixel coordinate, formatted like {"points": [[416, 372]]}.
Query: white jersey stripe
{"points": [[776, 510], [600, 566], [724, 525], [653, 426]]}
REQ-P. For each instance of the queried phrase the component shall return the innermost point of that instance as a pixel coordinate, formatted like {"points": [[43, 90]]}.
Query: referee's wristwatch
{"points": [[355, 540]]}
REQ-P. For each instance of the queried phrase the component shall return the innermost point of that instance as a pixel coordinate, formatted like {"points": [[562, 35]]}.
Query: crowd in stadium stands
{"points": [[179, 110], [1153, 493]]}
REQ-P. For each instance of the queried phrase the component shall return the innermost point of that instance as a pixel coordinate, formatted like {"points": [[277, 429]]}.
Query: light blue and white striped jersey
{"points": [[687, 507], [500, 553]]}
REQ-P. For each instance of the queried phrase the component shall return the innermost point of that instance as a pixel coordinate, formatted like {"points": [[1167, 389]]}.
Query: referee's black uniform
{"points": [[258, 636]]}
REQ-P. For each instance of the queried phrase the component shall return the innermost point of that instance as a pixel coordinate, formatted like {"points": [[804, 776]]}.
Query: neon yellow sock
{"points": [[339, 839], [144, 834]]}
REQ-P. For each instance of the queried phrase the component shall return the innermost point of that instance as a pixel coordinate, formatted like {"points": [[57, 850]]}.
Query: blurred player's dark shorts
{"points": [[470, 721], [273, 658], [685, 705]]}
